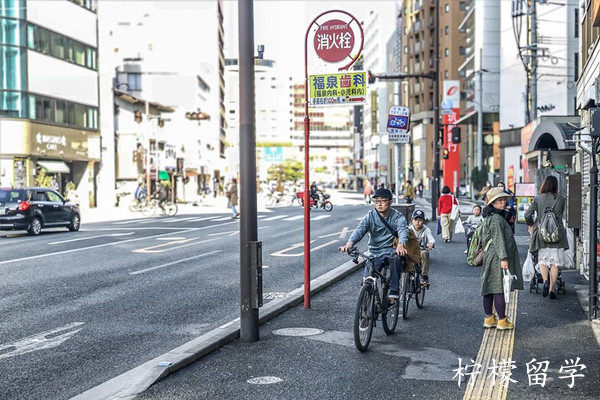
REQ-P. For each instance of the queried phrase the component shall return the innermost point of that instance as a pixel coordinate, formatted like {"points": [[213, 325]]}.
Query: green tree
{"points": [[288, 170]]}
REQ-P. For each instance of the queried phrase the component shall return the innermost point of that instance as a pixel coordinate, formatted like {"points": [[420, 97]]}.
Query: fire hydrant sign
{"points": [[398, 124], [334, 41], [346, 88]]}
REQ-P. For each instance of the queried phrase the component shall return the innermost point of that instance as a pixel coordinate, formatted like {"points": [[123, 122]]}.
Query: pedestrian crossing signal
{"points": [[446, 154], [456, 134]]}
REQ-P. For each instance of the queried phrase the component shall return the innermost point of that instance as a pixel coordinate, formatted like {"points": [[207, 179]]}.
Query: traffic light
{"points": [[456, 134], [371, 77], [446, 154], [137, 116]]}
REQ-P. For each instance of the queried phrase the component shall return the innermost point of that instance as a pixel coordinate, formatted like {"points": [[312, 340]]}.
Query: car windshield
{"points": [[11, 195]]}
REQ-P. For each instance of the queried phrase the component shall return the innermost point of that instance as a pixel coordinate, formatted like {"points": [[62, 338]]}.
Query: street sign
{"points": [[347, 88], [398, 124], [334, 41], [274, 154]]}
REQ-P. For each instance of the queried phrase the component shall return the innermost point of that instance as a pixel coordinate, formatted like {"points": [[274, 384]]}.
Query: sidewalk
{"points": [[310, 353]]}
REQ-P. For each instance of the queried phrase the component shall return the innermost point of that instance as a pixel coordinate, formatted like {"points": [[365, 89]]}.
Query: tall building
{"points": [[49, 94]]}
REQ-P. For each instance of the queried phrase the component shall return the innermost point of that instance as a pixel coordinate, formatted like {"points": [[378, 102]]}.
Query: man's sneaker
{"points": [[394, 295], [490, 322], [425, 279], [546, 288], [504, 325]]}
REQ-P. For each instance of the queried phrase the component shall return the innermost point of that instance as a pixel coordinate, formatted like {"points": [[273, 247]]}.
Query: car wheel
{"points": [[35, 227], [75, 223]]}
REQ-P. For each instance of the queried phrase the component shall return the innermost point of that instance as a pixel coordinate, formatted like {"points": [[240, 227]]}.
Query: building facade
{"points": [[49, 95]]}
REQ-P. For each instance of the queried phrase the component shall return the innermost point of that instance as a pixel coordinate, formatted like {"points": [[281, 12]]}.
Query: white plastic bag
{"points": [[528, 271], [455, 210], [507, 281], [570, 252], [459, 229]]}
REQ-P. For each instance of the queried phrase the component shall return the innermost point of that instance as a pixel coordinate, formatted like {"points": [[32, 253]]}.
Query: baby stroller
{"points": [[537, 281]]}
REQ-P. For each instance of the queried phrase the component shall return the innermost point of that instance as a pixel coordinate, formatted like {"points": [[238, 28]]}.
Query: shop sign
{"points": [[347, 88], [50, 142]]}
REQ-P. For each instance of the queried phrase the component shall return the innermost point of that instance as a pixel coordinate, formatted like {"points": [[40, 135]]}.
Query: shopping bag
{"points": [[455, 211], [439, 226], [507, 281], [459, 229], [528, 271]]}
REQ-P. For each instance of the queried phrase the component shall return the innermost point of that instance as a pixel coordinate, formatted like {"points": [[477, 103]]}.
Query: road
{"points": [[79, 308]]}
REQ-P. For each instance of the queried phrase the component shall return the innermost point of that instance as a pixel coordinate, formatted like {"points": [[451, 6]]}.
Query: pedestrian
{"points": [[501, 254], [409, 192], [384, 224], [510, 206], [420, 189], [232, 198], [550, 255], [367, 191], [445, 203], [426, 240]]}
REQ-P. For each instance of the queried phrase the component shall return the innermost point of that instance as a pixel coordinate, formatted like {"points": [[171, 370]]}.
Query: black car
{"points": [[32, 209]]}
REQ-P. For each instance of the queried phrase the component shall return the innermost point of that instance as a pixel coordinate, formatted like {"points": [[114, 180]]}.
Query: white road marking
{"points": [[141, 271], [94, 237], [150, 221], [230, 323], [41, 341], [294, 218], [171, 238], [342, 234], [222, 218], [152, 248], [275, 217], [201, 219], [320, 217], [131, 221], [282, 253], [109, 244], [229, 233]]}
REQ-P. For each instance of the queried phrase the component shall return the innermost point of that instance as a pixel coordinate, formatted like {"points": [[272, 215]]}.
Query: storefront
{"points": [[36, 154]]}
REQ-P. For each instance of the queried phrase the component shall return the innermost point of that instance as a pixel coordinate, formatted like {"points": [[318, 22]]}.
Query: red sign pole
{"points": [[332, 23]]}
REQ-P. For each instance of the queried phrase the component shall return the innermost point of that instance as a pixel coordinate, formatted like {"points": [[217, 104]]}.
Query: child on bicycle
{"points": [[384, 224], [472, 223], [425, 238]]}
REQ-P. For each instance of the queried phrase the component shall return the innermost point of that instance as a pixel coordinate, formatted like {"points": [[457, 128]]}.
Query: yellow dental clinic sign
{"points": [[346, 88]]}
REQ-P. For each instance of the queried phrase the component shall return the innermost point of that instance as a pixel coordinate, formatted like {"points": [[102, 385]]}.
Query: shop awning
{"points": [[54, 167], [163, 176]]}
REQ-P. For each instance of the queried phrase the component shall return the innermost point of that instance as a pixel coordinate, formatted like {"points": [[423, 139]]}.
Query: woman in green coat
{"points": [[501, 254], [550, 255]]}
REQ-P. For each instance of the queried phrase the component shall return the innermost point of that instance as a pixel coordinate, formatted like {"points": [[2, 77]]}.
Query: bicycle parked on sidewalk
{"points": [[373, 301], [413, 285]]}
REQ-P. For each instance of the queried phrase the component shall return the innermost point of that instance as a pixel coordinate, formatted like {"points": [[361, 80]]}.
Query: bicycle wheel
{"points": [[389, 317], [406, 294], [420, 291], [363, 317], [170, 208], [133, 206], [148, 209]]}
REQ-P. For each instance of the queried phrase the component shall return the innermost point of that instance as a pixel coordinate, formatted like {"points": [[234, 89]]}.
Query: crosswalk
{"points": [[214, 218]]}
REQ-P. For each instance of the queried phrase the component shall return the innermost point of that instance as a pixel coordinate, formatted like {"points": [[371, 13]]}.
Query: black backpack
{"points": [[549, 225]]}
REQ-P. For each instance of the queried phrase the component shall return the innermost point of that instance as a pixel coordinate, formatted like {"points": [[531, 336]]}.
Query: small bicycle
{"points": [[373, 301], [413, 286]]}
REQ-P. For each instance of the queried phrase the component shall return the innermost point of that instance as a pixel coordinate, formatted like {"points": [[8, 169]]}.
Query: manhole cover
{"points": [[264, 380], [275, 295], [298, 332]]}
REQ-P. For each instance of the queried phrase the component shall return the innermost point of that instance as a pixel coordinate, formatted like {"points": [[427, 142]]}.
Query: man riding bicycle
{"points": [[384, 224], [161, 195]]}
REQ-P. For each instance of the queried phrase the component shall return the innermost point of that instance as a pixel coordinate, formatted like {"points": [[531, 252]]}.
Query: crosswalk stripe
{"points": [[275, 217], [294, 218], [201, 219], [320, 217]]}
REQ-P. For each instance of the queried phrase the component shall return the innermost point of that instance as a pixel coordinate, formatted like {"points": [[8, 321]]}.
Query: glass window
{"points": [[78, 53], [43, 109], [134, 81], [12, 8], [57, 45], [54, 197], [42, 40], [447, 8], [11, 104], [11, 32], [446, 29], [12, 68], [61, 112], [462, 50], [446, 52]]}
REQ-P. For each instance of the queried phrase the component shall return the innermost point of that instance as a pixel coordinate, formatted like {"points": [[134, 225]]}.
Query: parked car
{"points": [[32, 209]]}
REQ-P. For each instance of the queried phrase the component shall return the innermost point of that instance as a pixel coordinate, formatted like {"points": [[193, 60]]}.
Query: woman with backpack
{"points": [[548, 235]]}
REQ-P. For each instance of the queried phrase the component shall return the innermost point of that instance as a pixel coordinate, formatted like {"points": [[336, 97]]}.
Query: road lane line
{"points": [[93, 237], [141, 271], [275, 217], [131, 221], [40, 341], [110, 244], [150, 249], [294, 218], [201, 219], [221, 218], [320, 217]]}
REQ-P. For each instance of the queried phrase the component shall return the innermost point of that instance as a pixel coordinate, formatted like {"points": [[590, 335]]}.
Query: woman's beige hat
{"points": [[494, 194]]}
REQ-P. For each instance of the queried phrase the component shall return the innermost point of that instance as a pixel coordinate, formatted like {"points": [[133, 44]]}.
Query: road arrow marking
{"points": [[94, 237], [41, 341]]}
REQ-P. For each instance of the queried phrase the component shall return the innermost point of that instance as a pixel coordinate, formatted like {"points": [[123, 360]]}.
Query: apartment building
{"points": [[49, 94]]}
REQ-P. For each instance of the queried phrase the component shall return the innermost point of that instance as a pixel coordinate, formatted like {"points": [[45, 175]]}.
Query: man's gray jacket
{"points": [[381, 240]]}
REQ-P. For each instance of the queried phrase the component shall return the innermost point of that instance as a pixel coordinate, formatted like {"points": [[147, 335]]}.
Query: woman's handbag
{"points": [[439, 226]]}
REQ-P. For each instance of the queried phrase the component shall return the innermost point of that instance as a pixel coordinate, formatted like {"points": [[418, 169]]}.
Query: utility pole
{"points": [[436, 112], [249, 245], [533, 54]]}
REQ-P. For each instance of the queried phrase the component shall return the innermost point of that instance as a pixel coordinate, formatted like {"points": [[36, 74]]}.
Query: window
{"points": [[462, 50], [462, 74], [54, 197], [446, 74], [56, 45], [446, 52], [463, 6], [447, 8], [134, 81], [446, 30]]}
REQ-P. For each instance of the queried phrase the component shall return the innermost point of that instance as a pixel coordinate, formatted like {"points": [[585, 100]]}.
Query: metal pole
{"points": [[534, 61], [397, 169], [306, 180], [248, 218], [480, 119], [593, 266], [436, 112]]}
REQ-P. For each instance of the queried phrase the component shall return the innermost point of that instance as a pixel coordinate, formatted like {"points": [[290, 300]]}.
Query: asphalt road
{"points": [[79, 308]]}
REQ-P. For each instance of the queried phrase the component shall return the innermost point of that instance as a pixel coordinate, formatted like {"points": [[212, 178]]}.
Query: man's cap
{"points": [[383, 193], [496, 193], [418, 214]]}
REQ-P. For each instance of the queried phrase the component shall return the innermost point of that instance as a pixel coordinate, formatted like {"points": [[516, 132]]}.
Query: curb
{"points": [[135, 381]]}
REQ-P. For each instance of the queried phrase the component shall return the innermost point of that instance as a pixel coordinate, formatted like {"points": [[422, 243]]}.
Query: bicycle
{"points": [[373, 301], [169, 208], [413, 284]]}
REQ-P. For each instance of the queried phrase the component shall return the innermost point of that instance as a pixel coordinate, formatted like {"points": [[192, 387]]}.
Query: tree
{"points": [[288, 170]]}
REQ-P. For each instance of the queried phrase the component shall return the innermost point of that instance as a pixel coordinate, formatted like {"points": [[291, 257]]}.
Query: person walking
{"points": [[232, 198], [501, 254], [409, 192], [445, 203], [367, 191], [550, 255]]}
